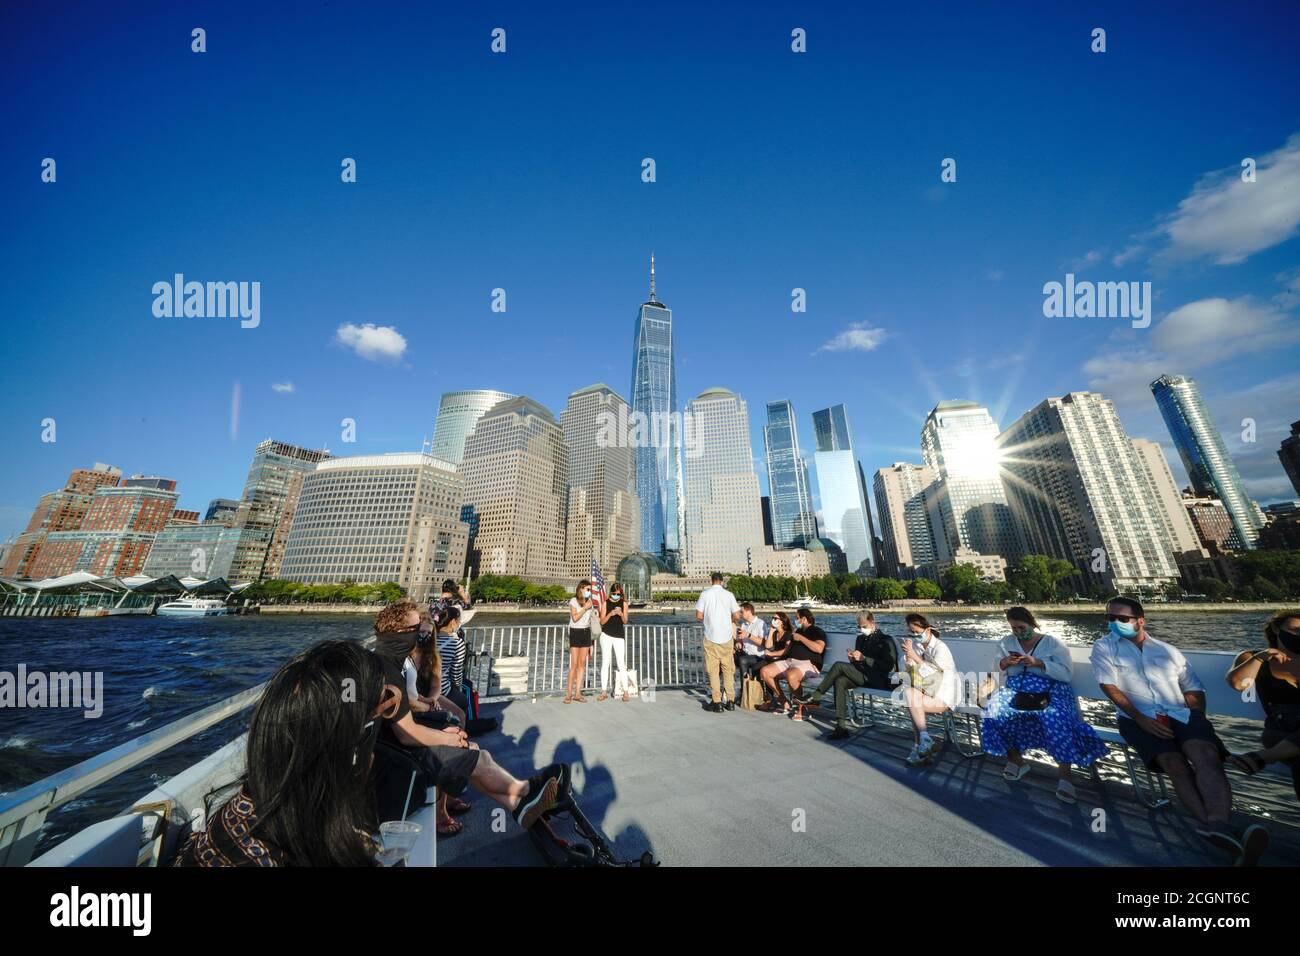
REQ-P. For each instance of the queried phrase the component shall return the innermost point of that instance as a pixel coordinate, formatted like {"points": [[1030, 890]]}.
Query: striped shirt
{"points": [[451, 648]]}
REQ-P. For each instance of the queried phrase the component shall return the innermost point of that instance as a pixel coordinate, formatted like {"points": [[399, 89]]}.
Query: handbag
{"points": [[1024, 700]]}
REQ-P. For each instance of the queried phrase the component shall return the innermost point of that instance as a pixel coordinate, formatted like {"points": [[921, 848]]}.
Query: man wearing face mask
{"points": [[1161, 708]]}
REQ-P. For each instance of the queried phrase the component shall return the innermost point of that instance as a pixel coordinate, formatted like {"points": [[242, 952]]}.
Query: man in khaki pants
{"points": [[718, 609]]}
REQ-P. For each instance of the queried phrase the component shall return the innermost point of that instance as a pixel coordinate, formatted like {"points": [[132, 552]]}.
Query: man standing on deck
{"points": [[718, 609]]}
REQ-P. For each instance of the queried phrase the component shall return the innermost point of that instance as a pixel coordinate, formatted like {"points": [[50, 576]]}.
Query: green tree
{"points": [[962, 582], [1038, 576], [923, 589]]}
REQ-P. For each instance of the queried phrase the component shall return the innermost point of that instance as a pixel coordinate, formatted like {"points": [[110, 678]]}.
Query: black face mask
{"points": [[1289, 642]]}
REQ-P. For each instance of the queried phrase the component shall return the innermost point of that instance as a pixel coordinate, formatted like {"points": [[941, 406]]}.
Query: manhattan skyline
{"points": [[775, 171]]}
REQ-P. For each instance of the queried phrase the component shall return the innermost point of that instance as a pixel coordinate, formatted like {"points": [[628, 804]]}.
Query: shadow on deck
{"points": [[752, 789]]}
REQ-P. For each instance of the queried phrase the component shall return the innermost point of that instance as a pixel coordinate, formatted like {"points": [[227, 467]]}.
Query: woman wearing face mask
{"points": [[581, 611], [775, 648], [1275, 674], [613, 619], [933, 686], [1035, 709]]}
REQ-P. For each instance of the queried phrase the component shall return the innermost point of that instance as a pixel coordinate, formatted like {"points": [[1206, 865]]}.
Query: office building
{"points": [[603, 513], [376, 518], [114, 537], [516, 470], [1168, 498], [723, 522], [1200, 445], [907, 541], [790, 499], [61, 510], [1289, 454], [968, 504], [658, 453], [1213, 523], [841, 489], [458, 413]]}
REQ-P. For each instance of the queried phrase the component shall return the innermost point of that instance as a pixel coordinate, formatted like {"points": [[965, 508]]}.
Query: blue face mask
{"points": [[1123, 629]]}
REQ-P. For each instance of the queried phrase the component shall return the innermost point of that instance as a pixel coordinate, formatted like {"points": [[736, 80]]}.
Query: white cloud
{"points": [[373, 342], [285, 388], [1227, 220], [1192, 337], [860, 337]]}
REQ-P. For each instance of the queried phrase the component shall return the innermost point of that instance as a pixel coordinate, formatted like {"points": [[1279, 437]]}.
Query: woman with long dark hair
{"points": [[613, 642], [1275, 674], [582, 608], [776, 646], [306, 798]]}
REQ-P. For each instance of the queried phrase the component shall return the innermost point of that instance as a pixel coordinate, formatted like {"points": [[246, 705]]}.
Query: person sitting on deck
{"points": [[452, 759], [416, 654], [776, 646], [1161, 709], [1274, 672], [454, 603], [933, 685], [872, 662], [807, 650], [306, 797], [749, 642], [1036, 707]]}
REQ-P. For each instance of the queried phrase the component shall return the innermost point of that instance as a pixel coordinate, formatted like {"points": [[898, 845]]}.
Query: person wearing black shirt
{"points": [[804, 659], [871, 662], [1274, 672]]}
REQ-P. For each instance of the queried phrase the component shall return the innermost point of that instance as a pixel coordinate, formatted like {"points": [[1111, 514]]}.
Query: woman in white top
{"points": [[1036, 708], [581, 611], [932, 685]]}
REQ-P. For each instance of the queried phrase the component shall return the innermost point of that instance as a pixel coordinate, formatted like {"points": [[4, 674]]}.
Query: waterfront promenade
{"points": [[753, 789]]}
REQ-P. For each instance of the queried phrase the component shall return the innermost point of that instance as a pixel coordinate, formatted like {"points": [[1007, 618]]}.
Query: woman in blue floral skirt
{"points": [[1036, 708]]}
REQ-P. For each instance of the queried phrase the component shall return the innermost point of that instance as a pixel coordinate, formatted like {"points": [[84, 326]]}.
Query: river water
{"points": [[157, 669]]}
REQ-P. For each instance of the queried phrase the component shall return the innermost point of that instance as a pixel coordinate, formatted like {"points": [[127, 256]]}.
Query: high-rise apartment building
{"points": [[516, 468], [794, 523], [907, 541], [266, 512], [841, 488], [723, 521], [61, 510], [968, 503], [1081, 493], [1209, 466], [1168, 497], [114, 537], [1213, 523], [654, 403], [458, 413], [603, 513], [376, 518]]}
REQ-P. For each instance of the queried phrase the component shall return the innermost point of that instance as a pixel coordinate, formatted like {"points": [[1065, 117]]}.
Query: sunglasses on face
{"points": [[1122, 618], [390, 702]]}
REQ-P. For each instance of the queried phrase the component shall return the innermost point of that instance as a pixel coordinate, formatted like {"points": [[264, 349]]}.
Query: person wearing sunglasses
{"points": [[453, 759], [1160, 704], [1274, 672], [306, 798]]}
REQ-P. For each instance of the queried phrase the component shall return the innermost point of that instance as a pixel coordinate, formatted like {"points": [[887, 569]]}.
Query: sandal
{"points": [[568, 699], [1248, 763], [603, 696], [579, 698], [625, 697], [455, 805], [450, 827]]}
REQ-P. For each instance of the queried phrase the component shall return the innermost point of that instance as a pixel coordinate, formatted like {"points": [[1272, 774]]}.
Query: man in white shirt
{"points": [[1160, 704], [718, 609], [749, 642]]}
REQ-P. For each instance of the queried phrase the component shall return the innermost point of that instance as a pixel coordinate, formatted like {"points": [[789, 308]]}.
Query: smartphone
{"points": [[1162, 720]]}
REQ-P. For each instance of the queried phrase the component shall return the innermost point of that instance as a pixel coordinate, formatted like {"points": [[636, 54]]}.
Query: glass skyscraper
{"points": [[846, 517], [654, 401], [458, 413], [969, 508], [1204, 455], [793, 521]]}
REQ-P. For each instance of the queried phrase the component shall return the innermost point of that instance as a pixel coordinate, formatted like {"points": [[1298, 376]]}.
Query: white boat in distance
{"points": [[193, 607], [805, 601]]}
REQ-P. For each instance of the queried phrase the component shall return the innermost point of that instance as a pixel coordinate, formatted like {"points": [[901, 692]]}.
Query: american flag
{"points": [[597, 582]]}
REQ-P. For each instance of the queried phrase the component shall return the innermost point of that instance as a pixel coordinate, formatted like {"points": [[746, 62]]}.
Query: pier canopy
{"points": [[81, 589]]}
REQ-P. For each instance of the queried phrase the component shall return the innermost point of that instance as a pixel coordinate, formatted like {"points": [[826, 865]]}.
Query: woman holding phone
{"points": [[1036, 707], [581, 611], [613, 620]]}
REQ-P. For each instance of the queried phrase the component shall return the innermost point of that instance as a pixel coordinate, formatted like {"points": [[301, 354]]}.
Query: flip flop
{"points": [[449, 828], [456, 805], [1248, 763]]}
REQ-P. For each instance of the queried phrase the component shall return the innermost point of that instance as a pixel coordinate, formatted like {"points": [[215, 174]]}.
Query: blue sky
{"points": [[522, 171]]}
